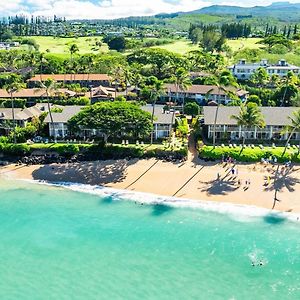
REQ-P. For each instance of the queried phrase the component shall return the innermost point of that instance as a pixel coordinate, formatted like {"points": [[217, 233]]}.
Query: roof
{"points": [[70, 111], [275, 116], [160, 117], [20, 113], [34, 93], [71, 77], [205, 89], [64, 116]]}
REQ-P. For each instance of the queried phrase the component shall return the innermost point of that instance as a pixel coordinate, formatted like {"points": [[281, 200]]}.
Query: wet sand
{"points": [[192, 179]]}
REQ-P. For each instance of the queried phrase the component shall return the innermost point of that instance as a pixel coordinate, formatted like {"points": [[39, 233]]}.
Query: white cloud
{"points": [[107, 9]]}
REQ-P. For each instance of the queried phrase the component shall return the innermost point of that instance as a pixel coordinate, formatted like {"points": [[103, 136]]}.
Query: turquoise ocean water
{"points": [[56, 243]]}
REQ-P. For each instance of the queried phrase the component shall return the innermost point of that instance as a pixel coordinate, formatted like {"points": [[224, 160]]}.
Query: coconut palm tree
{"points": [[13, 85], [73, 49], [50, 87], [127, 78], [156, 91], [117, 77], [291, 130], [249, 116], [181, 79], [223, 80]]}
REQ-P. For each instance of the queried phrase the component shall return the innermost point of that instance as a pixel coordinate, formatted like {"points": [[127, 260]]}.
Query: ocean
{"points": [[82, 242]]}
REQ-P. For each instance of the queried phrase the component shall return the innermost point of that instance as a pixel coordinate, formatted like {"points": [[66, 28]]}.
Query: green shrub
{"points": [[66, 150], [248, 154], [14, 149]]}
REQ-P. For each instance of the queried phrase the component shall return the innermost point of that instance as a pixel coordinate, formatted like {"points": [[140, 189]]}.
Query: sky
{"points": [[109, 9]]}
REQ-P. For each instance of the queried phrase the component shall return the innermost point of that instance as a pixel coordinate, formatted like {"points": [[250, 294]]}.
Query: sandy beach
{"points": [[192, 179]]}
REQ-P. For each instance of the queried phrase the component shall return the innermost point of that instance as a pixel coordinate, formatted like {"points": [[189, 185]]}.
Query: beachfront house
{"points": [[35, 95], [22, 117], [243, 70], [276, 119], [85, 80], [203, 94], [59, 128]]}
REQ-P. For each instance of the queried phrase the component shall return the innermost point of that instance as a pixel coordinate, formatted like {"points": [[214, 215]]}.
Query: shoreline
{"points": [[211, 183], [234, 209]]}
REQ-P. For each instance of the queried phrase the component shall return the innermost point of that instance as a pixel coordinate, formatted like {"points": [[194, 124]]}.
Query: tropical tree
{"points": [[260, 77], [181, 79], [73, 49], [249, 116], [192, 109], [50, 87], [113, 119], [291, 129], [117, 76], [156, 91], [224, 80], [13, 84]]}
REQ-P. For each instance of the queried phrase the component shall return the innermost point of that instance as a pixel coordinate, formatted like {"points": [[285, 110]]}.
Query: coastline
{"points": [[196, 181]]}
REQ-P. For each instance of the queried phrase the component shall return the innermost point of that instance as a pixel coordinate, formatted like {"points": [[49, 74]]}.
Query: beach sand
{"points": [[193, 179]]}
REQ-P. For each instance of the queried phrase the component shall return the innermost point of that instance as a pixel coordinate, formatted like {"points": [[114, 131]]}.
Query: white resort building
{"points": [[243, 70], [276, 119]]}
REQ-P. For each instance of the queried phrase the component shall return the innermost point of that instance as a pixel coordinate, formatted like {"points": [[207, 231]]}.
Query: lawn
{"points": [[242, 43], [61, 45], [180, 46]]}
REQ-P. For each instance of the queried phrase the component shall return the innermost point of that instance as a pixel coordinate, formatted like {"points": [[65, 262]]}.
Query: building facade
{"points": [[243, 70], [276, 119], [203, 94]]}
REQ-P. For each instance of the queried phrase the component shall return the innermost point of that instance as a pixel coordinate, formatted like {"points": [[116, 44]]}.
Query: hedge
{"points": [[93, 151], [255, 154]]}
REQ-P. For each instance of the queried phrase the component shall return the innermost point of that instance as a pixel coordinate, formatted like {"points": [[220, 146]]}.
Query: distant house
{"points": [[59, 128], [35, 95], [85, 80], [243, 70], [101, 93], [276, 118], [22, 117], [203, 93]]}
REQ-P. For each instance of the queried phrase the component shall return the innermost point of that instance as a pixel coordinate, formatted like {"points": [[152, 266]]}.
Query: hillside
{"points": [[283, 11]]}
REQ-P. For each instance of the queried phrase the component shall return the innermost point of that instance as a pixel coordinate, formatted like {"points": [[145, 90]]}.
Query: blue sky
{"points": [[106, 9]]}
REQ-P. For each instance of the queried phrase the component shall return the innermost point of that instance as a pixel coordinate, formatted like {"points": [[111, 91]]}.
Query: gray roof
{"points": [[276, 116], [160, 117], [70, 111], [64, 116], [20, 113]]}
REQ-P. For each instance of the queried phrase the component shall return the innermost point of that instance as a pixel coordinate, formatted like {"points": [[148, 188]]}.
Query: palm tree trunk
{"points": [[50, 113], [277, 170], [13, 116], [215, 125], [152, 121]]}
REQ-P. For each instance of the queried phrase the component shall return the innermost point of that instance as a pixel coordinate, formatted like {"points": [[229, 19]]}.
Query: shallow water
{"points": [[61, 244]]}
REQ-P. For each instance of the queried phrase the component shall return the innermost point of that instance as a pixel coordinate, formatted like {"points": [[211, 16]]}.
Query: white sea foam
{"points": [[238, 212]]}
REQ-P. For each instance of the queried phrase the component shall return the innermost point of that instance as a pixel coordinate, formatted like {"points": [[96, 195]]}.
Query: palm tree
{"points": [[73, 49], [13, 85], [249, 116], [157, 90], [50, 87], [182, 81], [225, 79], [127, 78], [118, 76], [291, 129]]}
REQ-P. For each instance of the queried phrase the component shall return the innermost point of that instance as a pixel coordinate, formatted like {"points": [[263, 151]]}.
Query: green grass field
{"points": [[61, 45], [240, 44], [180, 47]]}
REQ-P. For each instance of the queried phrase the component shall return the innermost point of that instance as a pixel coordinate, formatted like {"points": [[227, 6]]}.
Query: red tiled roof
{"points": [[70, 77], [33, 93]]}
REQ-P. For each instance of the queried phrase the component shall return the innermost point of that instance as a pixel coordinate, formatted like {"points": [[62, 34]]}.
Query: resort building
{"points": [[85, 80], [203, 94], [59, 128], [33, 96], [276, 119], [243, 70], [22, 117]]}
